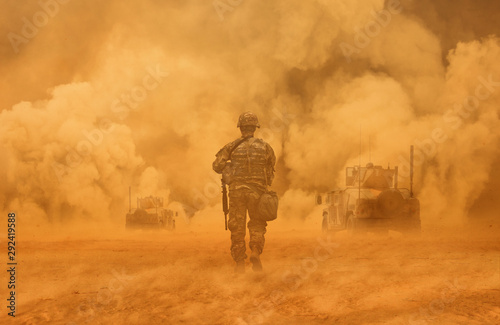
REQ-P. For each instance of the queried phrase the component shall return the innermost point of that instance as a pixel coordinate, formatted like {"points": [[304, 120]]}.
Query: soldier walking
{"points": [[249, 163]]}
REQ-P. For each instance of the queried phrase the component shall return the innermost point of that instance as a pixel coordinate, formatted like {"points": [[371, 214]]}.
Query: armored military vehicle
{"points": [[150, 214], [371, 200]]}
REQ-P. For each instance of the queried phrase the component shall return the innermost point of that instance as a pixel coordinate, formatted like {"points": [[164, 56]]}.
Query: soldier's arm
{"points": [[221, 159], [271, 161]]}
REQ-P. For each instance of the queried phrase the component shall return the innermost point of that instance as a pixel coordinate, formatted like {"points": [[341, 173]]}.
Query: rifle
{"points": [[225, 206]]}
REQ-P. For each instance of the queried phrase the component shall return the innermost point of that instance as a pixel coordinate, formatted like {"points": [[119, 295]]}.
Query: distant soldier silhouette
{"points": [[248, 165]]}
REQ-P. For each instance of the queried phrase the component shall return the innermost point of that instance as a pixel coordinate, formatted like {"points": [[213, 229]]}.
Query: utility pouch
{"points": [[268, 205]]}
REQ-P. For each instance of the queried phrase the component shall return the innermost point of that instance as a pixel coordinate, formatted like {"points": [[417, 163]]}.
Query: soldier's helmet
{"points": [[248, 119]]}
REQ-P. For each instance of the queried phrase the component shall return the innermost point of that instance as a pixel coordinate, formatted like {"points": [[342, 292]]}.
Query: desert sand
{"points": [[186, 277]]}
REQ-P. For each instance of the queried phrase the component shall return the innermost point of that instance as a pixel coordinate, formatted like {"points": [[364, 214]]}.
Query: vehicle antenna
{"points": [[359, 167], [411, 171], [369, 149]]}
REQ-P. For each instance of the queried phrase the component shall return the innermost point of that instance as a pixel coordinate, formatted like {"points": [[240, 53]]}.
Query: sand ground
{"points": [[186, 277]]}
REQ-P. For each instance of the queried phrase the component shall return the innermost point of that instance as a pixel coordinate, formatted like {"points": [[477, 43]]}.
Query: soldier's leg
{"points": [[236, 224], [256, 226]]}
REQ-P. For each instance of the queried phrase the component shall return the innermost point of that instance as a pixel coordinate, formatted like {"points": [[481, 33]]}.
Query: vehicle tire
{"points": [[349, 224], [324, 225], [416, 226]]}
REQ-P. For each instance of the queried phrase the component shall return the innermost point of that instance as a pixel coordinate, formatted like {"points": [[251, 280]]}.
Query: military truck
{"points": [[371, 201], [150, 214]]}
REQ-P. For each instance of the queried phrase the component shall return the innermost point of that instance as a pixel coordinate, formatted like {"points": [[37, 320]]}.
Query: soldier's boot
{"points": [[240, 267], [255, 259]]}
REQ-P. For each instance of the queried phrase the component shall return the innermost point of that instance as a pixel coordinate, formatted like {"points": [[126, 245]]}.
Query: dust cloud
{"points": [[144, 96], [99, 97], [91, 113]]}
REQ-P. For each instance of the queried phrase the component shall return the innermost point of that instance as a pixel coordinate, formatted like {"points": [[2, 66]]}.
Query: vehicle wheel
{"points": [[350, 224], [324, 225], [415, 226]]}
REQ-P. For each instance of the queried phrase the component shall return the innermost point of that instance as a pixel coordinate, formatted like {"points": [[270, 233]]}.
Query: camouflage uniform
{"points": [[253, 162]]}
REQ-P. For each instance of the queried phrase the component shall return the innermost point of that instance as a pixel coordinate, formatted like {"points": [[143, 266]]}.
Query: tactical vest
{"points": [[249, 161]]}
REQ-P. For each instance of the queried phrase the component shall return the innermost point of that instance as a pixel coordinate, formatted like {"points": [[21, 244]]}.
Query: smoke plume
{"points": [[106, 96]]}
